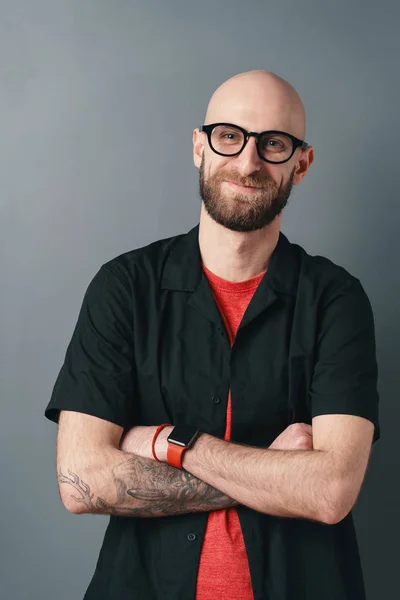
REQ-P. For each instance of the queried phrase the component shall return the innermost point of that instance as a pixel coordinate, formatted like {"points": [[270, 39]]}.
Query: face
{"points": [[239, 208]]}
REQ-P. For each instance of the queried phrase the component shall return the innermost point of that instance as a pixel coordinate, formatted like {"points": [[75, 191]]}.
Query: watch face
{"points": [[183, 435]]}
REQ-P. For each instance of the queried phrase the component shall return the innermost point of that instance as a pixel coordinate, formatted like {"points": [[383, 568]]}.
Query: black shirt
{"points": [[150, 347]]}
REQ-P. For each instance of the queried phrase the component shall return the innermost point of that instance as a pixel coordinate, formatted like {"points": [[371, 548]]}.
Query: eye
{"points": [[229, 135], [275, 144], [224, 136]]}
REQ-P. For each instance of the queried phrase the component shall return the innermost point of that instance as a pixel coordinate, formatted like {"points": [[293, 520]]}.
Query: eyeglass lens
{"points": [[229, 140]]}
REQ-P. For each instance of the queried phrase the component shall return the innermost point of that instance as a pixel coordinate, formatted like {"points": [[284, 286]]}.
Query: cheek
{"points": [[216, 168], [279, 175]]}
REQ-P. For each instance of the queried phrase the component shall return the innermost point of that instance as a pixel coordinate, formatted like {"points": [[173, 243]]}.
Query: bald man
{"points": [[218, 398]]}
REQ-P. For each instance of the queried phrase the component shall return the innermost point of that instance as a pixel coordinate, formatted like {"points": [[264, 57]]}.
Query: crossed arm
{"points": [[96, 476]]}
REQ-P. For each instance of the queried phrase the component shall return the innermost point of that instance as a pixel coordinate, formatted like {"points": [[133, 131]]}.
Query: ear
{"points": [[198, 146], [303, 164]]}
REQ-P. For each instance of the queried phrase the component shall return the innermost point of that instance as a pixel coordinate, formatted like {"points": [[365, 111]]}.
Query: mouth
{"points": [[243, 188]]}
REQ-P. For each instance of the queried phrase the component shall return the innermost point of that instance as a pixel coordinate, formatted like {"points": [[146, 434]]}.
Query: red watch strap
{"points": [[153, 443], [174, 455]]}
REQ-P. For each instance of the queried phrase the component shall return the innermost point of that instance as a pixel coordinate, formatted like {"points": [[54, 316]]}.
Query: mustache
{"points": [[260, 182]]}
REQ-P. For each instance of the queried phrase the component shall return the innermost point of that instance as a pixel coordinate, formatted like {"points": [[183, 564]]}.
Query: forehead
{"points": [[263, 119], [254, 109]]}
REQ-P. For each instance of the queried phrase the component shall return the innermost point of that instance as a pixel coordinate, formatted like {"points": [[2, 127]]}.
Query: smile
{"points": [[243, 188]]}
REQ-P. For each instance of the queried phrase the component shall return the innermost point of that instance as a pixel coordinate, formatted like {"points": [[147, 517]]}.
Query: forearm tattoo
{"points": [[145, 488]]}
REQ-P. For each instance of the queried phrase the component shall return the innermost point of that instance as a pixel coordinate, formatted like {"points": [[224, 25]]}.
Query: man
{"points": [[219, 394]]}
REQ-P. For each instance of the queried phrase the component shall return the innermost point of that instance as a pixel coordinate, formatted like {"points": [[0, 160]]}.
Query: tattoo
{"points": [[145, 488]]}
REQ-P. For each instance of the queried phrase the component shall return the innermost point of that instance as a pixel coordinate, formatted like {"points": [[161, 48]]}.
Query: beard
{"points": [[241, 211]]}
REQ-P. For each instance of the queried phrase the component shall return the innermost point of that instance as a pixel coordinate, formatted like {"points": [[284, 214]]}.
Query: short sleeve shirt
{"points": [[150, 347]]}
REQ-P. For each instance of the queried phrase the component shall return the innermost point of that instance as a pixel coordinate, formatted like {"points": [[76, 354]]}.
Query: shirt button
{"points": [[216, 400], [191, 537]]}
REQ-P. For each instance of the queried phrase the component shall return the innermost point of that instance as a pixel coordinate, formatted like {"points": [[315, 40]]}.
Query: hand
{"points": [[298, 436]]}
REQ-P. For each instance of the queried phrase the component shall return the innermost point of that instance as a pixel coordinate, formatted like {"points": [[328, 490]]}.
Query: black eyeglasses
{"points": [[272, 146]]}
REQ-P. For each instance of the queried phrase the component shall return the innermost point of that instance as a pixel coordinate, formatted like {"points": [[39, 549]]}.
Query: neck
{"points": [[235, 255]]}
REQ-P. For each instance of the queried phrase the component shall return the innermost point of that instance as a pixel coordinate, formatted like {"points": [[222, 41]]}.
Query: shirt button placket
{"points": [[216, 399], [192, 537]]}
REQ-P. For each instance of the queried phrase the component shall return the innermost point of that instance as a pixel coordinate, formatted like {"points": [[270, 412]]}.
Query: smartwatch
{"points": [[180, 439]]}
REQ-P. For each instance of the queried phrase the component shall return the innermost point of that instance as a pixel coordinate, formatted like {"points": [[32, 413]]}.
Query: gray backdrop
{"points": [[98, 101]]}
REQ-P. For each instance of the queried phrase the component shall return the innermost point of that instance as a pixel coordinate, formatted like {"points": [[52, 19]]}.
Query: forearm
{"points": [[123, 484], [293, 483]]}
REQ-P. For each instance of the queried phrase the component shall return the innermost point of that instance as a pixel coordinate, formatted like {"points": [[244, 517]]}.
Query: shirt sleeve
{"points": [[97, 376], [345, 373]]}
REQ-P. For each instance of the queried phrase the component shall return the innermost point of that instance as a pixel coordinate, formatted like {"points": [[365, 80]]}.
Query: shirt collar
{"points": [[183, 267]]}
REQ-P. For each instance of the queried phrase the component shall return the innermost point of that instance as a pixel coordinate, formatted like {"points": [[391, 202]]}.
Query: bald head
{"points": [[258, 100]]}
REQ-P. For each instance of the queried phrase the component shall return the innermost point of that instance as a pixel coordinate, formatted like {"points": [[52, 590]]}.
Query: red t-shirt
{"points": [[224, 569]]}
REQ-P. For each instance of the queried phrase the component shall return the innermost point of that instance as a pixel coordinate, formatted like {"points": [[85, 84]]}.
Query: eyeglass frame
{"points": [[297, 143]]}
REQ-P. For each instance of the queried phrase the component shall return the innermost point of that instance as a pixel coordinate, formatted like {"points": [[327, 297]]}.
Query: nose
{"points": [[248, 160]]}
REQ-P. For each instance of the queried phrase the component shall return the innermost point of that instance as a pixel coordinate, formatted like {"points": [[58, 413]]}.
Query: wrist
{"points": [[197, 449], [179, 441], [136, 440], [161, 445]]}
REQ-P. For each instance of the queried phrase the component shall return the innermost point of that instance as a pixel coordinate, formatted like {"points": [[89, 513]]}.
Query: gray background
{"points": [[86, 90]]}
